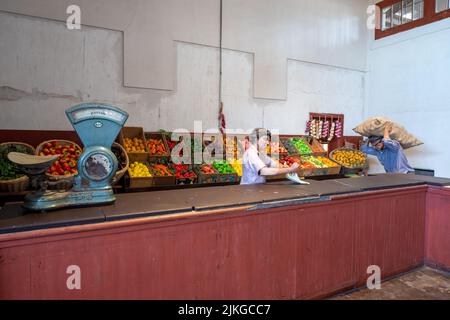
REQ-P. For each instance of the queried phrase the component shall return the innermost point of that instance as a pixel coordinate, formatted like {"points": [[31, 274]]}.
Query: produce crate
{"points": [[184, 181], [292, 149], [306, 172], [316, 147], [134, 132], [226, 177], [329, 170], [140, 182], [159, 136], [283, 176], [198, 150], [280, 154], [171, 144], [163, 181], [203, 178]]}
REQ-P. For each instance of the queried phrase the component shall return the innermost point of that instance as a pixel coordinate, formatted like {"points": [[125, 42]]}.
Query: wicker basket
{"points": [[22, 183], [349, 170], [121, 172], [15, 185], [65, 182]]}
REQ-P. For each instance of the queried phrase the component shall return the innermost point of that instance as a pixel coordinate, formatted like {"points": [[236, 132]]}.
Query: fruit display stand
{"points": [[134, 133]]}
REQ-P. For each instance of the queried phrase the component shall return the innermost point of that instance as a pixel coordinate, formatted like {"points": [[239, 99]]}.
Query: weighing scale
{"points": [[97, 125]]}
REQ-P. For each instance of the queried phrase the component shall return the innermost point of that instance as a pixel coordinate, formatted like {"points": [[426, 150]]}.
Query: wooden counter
{"points": [[276, 241]]}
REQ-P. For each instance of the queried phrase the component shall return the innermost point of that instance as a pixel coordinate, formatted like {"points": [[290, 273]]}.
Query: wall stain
{"points": [[12, 94]]}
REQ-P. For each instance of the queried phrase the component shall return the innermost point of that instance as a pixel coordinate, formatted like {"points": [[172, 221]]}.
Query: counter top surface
{"points": [[13, 218]]}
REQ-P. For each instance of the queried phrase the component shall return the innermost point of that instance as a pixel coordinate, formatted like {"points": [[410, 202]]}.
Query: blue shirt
{"points": [[391, 157]]}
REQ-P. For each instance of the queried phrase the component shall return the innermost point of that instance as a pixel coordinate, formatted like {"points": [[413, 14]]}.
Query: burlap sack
{"points": [[375, 127]]}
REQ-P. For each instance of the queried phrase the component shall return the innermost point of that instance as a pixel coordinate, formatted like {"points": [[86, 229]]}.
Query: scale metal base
{"points": [[50, 200]]}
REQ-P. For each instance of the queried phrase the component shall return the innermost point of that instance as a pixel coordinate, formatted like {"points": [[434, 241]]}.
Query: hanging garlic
{"points": [[331, 135]]}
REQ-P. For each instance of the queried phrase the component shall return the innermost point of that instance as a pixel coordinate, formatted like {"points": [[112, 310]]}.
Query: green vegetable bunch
{"points": [[9, 170], [223, 167], [301, 145]]}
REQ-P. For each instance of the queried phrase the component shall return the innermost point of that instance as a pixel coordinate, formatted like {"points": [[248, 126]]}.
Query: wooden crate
{"points": [[206, 178], [184, 181], [140, 182], [162, 137], [163, 181], [134, 132], [228, 178], [292, 150], [316, 147]]}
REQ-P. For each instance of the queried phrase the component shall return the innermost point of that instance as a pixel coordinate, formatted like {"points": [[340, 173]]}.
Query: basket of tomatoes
{"points": [[65, 167]]}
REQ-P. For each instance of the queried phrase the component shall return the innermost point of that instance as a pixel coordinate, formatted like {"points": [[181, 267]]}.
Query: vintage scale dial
{"points": [[98, 166]]}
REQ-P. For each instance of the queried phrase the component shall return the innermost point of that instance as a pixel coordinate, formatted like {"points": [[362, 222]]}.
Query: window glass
{"points": [[441, 5], [397, 14], [387, 18], [407, 12], [418, 9]]}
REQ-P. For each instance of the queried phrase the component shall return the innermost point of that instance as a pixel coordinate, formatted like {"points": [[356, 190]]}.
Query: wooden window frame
{"points": [[429, 16]]}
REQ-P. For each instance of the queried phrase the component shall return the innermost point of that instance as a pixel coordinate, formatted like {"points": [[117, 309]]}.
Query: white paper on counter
{"points": [[295, 178]]}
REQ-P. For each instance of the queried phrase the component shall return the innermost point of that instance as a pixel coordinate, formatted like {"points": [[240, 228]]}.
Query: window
{"points": [[402, 12], [407, 11], [442, 5], [401, 15], [387, 18], [418, 10]]}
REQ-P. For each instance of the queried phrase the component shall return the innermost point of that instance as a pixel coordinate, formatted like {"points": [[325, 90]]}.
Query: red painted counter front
{"points": [[291, 252]]}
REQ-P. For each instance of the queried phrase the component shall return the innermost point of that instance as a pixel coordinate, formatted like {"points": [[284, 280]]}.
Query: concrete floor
{"points": [[421, 284]]}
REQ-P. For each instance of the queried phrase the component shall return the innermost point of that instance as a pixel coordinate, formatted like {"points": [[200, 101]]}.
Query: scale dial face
{"points": [[98, 166]]}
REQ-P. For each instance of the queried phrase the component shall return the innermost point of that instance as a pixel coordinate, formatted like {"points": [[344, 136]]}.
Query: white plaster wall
{"points": [[408, 81], [45, 68]]}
